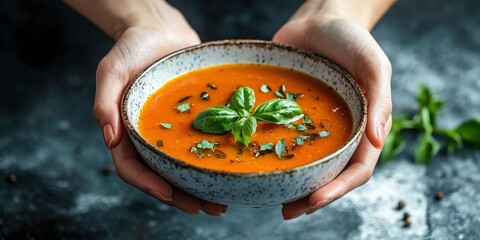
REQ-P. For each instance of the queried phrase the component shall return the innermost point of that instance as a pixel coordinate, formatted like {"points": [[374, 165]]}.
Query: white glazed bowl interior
{"points": [[243, 189]]}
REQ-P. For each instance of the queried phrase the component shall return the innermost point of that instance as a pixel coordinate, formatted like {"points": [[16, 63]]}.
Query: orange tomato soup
{"points": [[325, 107]]}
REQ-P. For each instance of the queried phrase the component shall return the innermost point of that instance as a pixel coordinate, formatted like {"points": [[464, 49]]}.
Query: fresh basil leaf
{"points": [[216, 119], [279, 94], [454, 140], [184, 107], [301, 127], [426, 99], [266, 146], [280, 148], [300, 139], [294, 96], [427, 149], [193, 149], [265, 88], [242, 99], [393, 146], [244, 129], [306, 119], [166, 125], [279, 111], [469, 131]]}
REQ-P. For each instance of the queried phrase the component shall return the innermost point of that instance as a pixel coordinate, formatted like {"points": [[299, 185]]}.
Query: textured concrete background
{"points": [[50, 141]]}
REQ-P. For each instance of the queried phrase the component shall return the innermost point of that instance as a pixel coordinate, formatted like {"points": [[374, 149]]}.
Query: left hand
{"points": [[334, 34]]}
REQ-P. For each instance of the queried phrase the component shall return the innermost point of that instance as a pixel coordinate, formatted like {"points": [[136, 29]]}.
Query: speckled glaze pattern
{"points": [[244, 189]]}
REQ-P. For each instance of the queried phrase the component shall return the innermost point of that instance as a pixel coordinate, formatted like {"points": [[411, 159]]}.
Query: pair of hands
{"points": [[319, 29]]}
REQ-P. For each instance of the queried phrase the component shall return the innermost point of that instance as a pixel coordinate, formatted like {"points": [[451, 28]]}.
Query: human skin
{"points": [[339, 30], [146, 30]]}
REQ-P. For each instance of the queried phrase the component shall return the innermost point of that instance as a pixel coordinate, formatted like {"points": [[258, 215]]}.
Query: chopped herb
{"points": [[166, 125], [301, 127], [204, 144], [324, 133], [184, 99], [307, 120], [204, 96], [280, 148], [279, 94], [281, 91], [294, 96], [265, 88], [266, 146], [184, 107], [200, 155], [212, 86], [159, 143], [193, 149], [291, 126], [300, 139]]}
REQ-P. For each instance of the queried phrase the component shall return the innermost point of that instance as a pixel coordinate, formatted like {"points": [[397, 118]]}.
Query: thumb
{"points": [[111, 78]]}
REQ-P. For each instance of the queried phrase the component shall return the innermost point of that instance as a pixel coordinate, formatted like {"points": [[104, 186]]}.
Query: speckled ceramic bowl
{"points": [[243, 189]]}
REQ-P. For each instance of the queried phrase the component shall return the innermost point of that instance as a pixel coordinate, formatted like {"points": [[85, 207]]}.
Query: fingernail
{"points": [[293, 217], [319, 205], [224, 209], [108, 134], [161, 196], [381, 133]]}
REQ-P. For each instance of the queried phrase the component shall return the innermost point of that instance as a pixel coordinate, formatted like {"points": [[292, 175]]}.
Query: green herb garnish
{"points": [[238, 117], [294, 96], [205, 146], [324, 133], [306, 119], [280, 148], [301, 127], [265, 88], [425, 120], [281, 91], [300, 139], [204, 96], [266, 146], [166, 125], [184, 107]]}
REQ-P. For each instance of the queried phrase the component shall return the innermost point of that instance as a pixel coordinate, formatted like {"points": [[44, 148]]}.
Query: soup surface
{"points": [[167, 117]]}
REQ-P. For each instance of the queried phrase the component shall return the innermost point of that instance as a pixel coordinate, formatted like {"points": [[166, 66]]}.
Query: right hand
{"points": [[138, 47]]}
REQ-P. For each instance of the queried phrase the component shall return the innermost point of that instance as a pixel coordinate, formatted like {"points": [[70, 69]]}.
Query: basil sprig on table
{"points": [[238, 117], [425, 120]]}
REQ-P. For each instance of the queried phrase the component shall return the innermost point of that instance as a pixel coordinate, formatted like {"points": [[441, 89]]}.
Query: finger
{"points": [[130, 169], [295, 209], [186, 202], [111, 79], [358, 172], [213, 209]]}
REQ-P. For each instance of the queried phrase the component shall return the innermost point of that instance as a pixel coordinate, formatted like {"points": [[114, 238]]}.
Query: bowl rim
{"points": [[236, 42]]}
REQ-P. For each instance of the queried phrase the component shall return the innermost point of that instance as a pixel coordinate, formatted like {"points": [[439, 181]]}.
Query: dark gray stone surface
{"points": [[50, 141]]}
